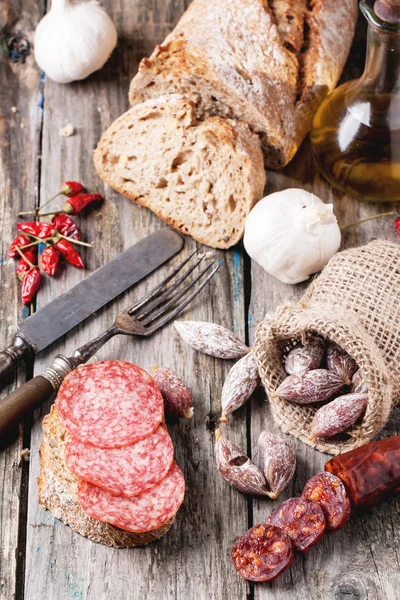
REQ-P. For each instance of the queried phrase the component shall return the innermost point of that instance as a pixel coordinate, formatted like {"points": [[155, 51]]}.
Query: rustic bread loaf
{"points": [[201, 177], [58, 493], [268, 64]]}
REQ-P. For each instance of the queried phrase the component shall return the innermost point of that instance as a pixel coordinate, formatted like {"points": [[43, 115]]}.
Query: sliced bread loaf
{"points": [[269, 64], [58, 493], [201, 177]]}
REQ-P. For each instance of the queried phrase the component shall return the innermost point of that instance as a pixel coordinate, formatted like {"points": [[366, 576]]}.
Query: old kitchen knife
{"points": [[71, 308]]}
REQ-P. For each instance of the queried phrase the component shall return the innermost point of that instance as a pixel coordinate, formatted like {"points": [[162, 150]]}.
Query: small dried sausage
{"points": [[370, 472], [262, 553], [302, 520], [330, 493]]}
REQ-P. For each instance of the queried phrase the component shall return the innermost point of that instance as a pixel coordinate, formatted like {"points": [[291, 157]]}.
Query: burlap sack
{"points": [[355, 302]]}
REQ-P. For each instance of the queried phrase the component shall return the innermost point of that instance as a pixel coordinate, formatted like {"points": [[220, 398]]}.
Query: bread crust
{"points": [[58, 493], [239, 59]]}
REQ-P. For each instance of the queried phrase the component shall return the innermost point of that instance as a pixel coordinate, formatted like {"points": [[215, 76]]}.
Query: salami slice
{"points": [[262, 553], [141, 513], [302, 520], [330, 493], [126, 471], [110, 404]]}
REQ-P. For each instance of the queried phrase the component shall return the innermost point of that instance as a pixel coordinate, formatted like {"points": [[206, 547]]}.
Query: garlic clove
{"points": [[292, 234], [73, 40]]}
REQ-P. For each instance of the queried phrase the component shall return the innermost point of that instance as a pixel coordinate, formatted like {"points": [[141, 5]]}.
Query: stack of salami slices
{"points": [[117, 451]]}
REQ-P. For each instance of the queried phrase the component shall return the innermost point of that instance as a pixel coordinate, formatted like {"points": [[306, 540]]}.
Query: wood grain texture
{"points": [[20, 122], [61, 564], [193, 559], [361, 561]]}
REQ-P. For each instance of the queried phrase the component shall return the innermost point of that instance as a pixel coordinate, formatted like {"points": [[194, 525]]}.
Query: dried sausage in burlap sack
{"points": [[354, 302]]}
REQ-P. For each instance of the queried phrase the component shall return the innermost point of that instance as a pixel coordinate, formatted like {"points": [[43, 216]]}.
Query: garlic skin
{"points": [[292, 234], [73, 40]]}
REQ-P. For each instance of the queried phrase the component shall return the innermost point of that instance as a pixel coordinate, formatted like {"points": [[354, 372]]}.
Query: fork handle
{"points": [[33, 393], [84, 353]]}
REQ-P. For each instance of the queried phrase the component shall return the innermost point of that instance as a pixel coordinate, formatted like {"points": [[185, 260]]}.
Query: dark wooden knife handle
{"points": [[27, 397], [14, 354]]}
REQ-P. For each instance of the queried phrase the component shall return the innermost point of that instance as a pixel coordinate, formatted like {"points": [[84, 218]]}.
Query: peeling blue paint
{"points": [[237, 275]]}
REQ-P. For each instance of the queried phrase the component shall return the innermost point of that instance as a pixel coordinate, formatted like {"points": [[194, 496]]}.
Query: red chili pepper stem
{"points": [[36, 210], [50, 214], [38, 240], [26, 259], [35, 243], [64, 237], [386, 214]]}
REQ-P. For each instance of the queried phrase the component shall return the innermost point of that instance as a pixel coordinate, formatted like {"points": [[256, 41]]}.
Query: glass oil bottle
{"points": [[355, 136]]}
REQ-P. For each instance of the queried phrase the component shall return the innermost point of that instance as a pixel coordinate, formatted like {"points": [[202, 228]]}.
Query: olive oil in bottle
{"points": [[355, 136]]}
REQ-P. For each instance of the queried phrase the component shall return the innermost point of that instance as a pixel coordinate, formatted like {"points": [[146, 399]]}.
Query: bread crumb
{"points": [[14, 109], [171, 124], [66, 131], [123, 158], [25, 455]]}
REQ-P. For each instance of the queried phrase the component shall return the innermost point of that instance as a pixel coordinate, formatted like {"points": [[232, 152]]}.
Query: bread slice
{"points": [[58, 493], [268, 64], [202, 178]]}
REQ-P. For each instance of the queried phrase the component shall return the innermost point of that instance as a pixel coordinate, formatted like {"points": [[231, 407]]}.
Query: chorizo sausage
{"points": [[262, 553], [370, 472], [330, 493], [302, 520]]}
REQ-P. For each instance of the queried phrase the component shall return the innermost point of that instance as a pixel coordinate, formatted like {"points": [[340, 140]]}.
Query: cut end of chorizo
{"points": [[302, 520], [262, 553], [330, 493]]}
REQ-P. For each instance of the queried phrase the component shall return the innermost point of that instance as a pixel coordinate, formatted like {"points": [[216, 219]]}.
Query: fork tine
{"points": [[179, 308], [159, 287], [161, 311], [150, 306]]}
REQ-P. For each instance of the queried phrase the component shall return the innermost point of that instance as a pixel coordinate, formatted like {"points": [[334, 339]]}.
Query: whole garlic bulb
{"points": [[73, 40], [292, 234]]}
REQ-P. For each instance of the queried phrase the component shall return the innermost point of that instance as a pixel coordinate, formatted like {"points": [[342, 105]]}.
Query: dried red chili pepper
{"points": [[26, 261], [20, 240], [76, 204], [36, 228], [397, 225], [50, 260], [65, 225], [30, 284], [70, 254], [71, 188]]}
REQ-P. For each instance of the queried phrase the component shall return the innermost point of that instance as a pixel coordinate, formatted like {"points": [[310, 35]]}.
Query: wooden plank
{"points": [[20, 122], [187, 562], [361, 561]]}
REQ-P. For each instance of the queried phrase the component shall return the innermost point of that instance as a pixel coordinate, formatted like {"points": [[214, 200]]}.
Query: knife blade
{"points": [[100, 287]]}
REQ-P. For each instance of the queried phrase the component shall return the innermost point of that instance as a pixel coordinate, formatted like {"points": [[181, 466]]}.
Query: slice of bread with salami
{"points": [[251, 74], [107, 466]]}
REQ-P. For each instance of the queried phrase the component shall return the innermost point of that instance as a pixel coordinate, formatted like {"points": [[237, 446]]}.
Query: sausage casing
{"points": [[370, 472]]}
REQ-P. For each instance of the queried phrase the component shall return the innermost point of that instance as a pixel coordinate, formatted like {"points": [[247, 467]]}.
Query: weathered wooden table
{"points": [[40, 557]]}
